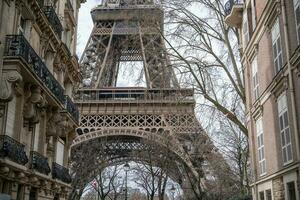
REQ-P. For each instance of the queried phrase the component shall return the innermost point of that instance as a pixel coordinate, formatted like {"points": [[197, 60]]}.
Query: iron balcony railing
{"points": [[61, 173], [68, 50], [230, 3], [39, 163], [71, 108], [121, 94], [13, 150], [41, 3], [53, 19], [17, 45]]}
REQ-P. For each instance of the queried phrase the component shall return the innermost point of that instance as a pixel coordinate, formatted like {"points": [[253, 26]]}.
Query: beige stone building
{"points": [[269, 44], [38, 68]]}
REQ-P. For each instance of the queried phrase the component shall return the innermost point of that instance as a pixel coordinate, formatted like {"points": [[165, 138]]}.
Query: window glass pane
{"points": [[268, 195], [288, 136], [261, 196], [298, 15], [291, 191], [284, 155], [286, 122], [274, 50], [289, 153], [280, 62], [275, 30], [281, 126]]}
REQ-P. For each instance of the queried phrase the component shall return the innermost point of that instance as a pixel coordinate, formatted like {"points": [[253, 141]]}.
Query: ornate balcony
{"points": [[53, 19], [67, 50], [71, 108], [13, 150], [61, 173], [39, 163], [234, 12], [18, 46]]}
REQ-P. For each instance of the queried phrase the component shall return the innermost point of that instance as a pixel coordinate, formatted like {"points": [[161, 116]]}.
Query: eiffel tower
{"points": [[118, 123]]}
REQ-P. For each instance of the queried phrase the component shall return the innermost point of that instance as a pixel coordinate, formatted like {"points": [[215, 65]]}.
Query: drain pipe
{"points": [[290, 77]]}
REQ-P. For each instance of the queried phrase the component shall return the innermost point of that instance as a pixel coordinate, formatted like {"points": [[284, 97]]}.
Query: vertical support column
{"points": [[103, 65], [147, 76]]}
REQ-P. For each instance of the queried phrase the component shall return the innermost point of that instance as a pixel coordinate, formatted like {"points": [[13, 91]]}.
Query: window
{"points": [[297, 16], [268, 194], [260, 147], [246, 36], [291, 190], [11, 117], [255, 79], [284, 128], [60, 148], [36, 137], [261, 195], [276, 45]]}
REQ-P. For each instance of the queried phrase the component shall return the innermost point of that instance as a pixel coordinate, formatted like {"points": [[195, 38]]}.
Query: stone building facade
{"points": [[38, 69], [269, 45]]}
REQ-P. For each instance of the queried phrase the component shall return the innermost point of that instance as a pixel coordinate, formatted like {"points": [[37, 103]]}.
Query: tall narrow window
{"points": [[297, 16], [11, 117], [246, 36], [255, 79], [60, 149], [36, 137], [260, 147], [276, 45], [291, 191], [284, 128]]}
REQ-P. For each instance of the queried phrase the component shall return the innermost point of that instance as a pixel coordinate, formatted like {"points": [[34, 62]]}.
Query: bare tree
{"points": [[205, 54], [106, 183]]}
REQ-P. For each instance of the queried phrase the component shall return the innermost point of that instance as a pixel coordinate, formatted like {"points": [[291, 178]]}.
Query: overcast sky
{"points": [[85, 24]]}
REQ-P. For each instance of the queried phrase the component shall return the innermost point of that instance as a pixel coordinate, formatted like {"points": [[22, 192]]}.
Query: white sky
{"points": [[85, 24]]}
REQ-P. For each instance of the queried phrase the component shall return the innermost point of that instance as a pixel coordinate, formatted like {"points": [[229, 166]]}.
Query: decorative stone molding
{"points": [[34, 102], [280, 86], [7, 83], [58, 124]]}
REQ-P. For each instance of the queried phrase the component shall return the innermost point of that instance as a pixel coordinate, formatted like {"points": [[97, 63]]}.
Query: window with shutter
{"points": [[276, 45], [297, 16], [260, 147], [285, 135], [255, 81]]}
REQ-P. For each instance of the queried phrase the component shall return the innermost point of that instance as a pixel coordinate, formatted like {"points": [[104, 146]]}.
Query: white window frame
{"points": [[246, 36], [260, 147], [284, 129], [297, 6], [292, 177], [277, 46], [255, 81]]}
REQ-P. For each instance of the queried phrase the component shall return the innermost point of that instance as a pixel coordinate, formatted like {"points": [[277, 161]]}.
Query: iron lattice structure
{"points": [[121, 124]]}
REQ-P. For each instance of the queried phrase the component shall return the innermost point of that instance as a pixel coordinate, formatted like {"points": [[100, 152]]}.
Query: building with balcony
{"points": [[270, 37], [38, 72]]}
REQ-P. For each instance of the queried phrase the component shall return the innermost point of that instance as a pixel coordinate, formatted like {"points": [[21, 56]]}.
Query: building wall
{"points": [[33, 118], [278, 176]]}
